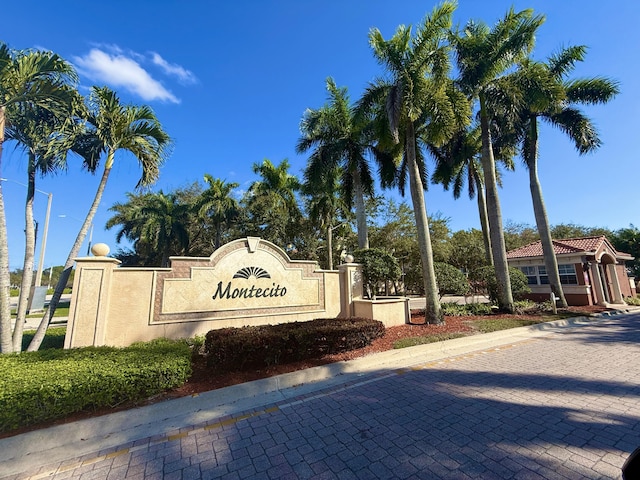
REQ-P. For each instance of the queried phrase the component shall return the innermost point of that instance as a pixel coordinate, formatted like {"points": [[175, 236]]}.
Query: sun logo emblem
{"points": [[256, 272]]}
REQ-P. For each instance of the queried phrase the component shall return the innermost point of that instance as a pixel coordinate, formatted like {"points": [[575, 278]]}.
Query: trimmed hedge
{"points": [[246, 348], [51, 384]]}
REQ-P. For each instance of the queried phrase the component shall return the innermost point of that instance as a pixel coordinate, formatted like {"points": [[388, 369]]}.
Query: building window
{"points": [[537, 275], [542, 273], [568, 274], [532, 275]]}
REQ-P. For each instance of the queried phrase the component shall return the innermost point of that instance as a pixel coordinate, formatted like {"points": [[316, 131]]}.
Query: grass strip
{"points": [[413, 341]]}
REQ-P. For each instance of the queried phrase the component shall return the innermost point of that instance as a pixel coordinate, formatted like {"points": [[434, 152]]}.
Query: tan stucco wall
{"points": [[390, 311], [119, 306]]}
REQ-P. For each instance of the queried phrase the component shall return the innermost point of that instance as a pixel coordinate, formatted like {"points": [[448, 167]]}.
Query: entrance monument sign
{"points": [[249, 281]]}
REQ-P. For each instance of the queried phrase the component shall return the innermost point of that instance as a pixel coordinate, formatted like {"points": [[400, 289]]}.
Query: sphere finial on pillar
{"points": [[100, 249]]}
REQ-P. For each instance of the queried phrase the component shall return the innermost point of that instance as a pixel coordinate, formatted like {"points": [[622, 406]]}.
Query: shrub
{"points": [[378, 266], [633, 300], [246, 348], [51, 384], [455, 310], [523, 307], [451, 281], [487, 277]]}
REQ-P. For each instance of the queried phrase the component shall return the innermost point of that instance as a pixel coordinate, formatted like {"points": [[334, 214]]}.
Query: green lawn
{"points": [[413, 341], [61, 311]]}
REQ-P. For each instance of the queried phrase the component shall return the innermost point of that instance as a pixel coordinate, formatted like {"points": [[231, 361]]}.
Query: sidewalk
{"points": [[47, 450]]}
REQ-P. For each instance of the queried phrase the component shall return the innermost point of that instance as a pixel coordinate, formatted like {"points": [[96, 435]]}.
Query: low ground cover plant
{"points": [[245, 348], [53, 383], [422, 340]]}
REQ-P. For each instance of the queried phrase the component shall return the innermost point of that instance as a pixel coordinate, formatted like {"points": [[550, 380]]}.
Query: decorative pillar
{"points": [[350, 286], [615, 284], [90, 300], [596, 280]]}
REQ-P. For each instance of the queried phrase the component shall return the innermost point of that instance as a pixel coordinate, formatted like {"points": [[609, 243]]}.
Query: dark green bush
{"points": [[378, 266], [487, 276], [248, 348], [51, 384], [451, 281]]}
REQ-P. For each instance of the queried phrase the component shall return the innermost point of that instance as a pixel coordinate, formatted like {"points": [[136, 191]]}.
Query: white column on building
{"points": [[597, 284], [615, 284]]}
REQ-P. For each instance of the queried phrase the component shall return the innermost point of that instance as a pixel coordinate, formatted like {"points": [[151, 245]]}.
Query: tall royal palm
{"points": [[325, 204], [28, 80], [417, 96], [339, 138], [114, 127], [272, 201], [549, 96], [485, 58], [217, 203], [458, 162]]}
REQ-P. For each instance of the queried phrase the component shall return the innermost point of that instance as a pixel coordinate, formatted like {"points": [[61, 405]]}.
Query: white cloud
{"points": [[118, 70], [184, 75]]}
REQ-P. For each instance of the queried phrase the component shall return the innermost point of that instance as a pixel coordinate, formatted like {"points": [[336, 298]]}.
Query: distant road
{"points": [[64, 298]]}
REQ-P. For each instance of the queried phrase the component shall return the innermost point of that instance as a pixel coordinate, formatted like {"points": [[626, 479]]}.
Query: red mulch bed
{"points": [[202, 381]]}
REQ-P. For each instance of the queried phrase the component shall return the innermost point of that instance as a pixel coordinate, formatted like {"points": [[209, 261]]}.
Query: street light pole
{"points": [[44, 240], [43, 247], [90, 238]]}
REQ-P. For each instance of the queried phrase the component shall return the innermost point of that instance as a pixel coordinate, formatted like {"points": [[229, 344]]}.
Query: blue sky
{"points": [[231, 80]]}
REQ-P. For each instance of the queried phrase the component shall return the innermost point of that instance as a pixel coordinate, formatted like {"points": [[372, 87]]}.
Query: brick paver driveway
{"points": [[561, 406]]}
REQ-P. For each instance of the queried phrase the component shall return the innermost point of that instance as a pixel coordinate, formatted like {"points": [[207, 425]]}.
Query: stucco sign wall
{"points": [[243, 278], [245, 282]]}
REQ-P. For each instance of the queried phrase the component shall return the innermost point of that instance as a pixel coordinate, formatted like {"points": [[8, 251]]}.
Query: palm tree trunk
{"points": [[542, 220], [330, 246], [29, 253], [66, 271], [6, 344], [484, 220], [498, 249], [218, 236], [433, 312], [361, 215]]}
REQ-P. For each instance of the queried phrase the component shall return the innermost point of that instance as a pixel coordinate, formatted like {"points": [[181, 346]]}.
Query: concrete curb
{"points": [[32, 450]]}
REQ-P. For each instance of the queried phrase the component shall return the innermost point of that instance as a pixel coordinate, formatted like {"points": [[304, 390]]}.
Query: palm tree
{"points": [[325, 203], [44, 136], [549, 96], [113, 127], [458, 162], [418, 96], [156, 220], [340, 137], [217, 203], [28, 80], [484, 58], [272, 201]]}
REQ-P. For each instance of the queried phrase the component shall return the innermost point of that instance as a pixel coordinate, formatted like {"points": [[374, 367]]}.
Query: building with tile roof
{"points": [[592, 271]]}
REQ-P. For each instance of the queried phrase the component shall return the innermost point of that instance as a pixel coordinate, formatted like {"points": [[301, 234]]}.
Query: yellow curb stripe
{"points": [[124, 451]]}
